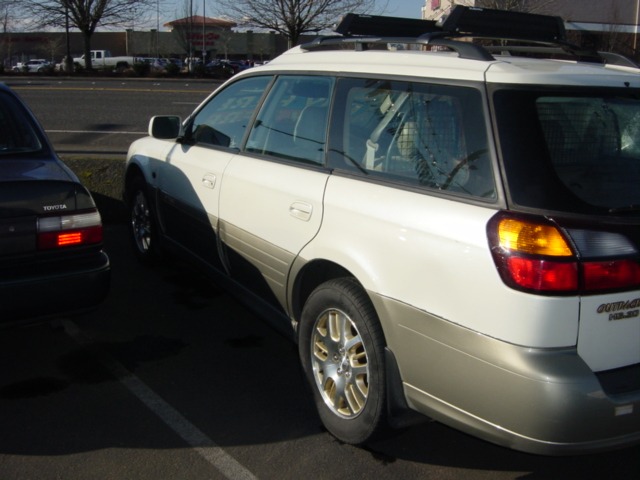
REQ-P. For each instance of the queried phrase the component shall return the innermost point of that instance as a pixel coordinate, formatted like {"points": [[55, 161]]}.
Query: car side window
{"points": [[431, 136], [223, 120], [292, 123]]}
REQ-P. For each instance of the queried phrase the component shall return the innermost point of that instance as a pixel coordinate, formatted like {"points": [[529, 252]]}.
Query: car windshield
{"points": [[17, 134], [571, 152]]}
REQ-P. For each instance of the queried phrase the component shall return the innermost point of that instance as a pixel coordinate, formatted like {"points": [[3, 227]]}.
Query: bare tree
{"points": [[292, 18], [85, 15], [5, 41]]}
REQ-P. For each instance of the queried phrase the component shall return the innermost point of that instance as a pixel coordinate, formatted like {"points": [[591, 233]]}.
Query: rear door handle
{"points": [[301, 210]]}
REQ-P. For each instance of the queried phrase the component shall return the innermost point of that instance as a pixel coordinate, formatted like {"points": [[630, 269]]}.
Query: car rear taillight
{"points": [[534, 254], [69, 230]]}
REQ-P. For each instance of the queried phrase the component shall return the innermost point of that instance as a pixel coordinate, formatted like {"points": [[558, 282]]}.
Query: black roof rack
{"points": [[366, 30], [485, 22], [373, 25]]}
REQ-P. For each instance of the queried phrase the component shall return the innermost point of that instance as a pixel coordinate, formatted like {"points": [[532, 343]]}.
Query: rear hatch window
{"points": [[572, 151]]}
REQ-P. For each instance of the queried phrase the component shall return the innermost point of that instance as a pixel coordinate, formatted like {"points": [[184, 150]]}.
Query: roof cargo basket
{"points": [[528, 30], [373, 25], [462, 21], [484, 22]]}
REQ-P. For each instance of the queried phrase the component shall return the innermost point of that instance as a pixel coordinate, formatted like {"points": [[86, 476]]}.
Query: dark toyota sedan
{"points": [[51, 254]]}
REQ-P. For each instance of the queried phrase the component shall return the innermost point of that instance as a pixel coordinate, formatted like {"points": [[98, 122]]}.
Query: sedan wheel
{"points": [[342, 352]]}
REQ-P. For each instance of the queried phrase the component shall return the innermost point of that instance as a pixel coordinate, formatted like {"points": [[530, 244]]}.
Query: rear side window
{"points": [[430, 136], [292, 123], [575, 151], [17, 133], [223, 120]]}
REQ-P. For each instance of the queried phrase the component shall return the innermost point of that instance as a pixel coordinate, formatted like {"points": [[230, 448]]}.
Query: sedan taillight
{"points": [[69, 230]]}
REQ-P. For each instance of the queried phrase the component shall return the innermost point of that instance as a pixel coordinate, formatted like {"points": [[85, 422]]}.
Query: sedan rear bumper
{"points": [[64, 289]]}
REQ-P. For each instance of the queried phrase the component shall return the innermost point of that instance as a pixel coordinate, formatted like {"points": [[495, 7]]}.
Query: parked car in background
{"points": [[238, 65], [159, 63], [177, 62], [51, 242], [38, 65], [219, 68], [450, 228]]}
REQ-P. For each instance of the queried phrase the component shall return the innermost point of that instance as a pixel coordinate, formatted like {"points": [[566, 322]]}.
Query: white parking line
{"points": [[202, 444]]}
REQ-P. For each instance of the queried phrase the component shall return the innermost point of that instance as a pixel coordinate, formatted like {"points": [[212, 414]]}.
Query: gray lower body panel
{"points": [[544, 401]]}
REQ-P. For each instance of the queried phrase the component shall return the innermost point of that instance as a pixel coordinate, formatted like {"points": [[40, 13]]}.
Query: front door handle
{"points": [[209, 180]]}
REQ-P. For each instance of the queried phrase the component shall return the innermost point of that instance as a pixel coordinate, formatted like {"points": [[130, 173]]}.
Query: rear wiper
{"points": [[625, 209]]}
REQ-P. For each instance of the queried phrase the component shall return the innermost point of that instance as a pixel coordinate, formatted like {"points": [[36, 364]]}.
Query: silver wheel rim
{"points": [[141, 222], [340, 363]]}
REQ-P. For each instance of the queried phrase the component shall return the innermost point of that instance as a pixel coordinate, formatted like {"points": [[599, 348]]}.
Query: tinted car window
{"points": [[223, 120], [430, 136], [292, 123], [577, 152], [594, 146], [17, 134]]}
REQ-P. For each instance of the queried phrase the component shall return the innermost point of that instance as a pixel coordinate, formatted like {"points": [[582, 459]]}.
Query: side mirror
{"points": [[165, 127]]}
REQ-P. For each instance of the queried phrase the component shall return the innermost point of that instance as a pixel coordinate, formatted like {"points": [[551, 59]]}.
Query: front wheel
{"points": [[341, 347], [141, 222]]}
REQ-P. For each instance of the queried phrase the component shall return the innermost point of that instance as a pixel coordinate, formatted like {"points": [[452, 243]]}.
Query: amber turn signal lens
{"points": [[532, 238]]}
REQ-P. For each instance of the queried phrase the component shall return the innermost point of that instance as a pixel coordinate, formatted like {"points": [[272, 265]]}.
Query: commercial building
{"points": [[195, 36]]}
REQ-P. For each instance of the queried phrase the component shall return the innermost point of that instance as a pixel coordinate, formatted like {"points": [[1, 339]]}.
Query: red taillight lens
{"points": [[543, 275], [612, 274], [69, 230]]}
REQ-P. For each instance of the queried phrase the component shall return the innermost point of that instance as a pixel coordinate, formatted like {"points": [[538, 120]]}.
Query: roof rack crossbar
{"points": [[567, 49], [463, 49]]}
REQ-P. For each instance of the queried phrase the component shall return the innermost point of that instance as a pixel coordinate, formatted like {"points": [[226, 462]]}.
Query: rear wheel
{"points": [[342, 352], [141, 222]]}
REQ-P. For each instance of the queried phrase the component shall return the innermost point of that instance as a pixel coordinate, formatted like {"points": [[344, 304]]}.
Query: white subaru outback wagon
{"points": [[443, 227]]}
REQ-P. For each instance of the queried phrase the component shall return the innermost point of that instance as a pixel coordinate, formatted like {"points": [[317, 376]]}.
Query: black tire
{"points": [[341, 347], [141, 220]]}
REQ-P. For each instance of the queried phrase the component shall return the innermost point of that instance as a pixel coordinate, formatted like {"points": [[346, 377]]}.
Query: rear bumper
{"points": [[543, 401], [61, 289]]}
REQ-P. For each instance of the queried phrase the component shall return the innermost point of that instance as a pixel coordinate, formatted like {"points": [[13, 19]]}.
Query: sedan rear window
{"points": [[577, 152], [17, 134]]}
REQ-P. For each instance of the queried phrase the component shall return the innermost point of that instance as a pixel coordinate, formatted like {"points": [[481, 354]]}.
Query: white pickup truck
{"points": [[102, 59]]}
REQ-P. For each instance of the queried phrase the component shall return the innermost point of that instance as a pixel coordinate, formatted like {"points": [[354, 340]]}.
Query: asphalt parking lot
{"points": [[172, 378]]}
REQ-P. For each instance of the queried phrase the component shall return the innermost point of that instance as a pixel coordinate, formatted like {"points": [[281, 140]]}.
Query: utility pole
{"points": [[204, 51], [68, 62]]}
